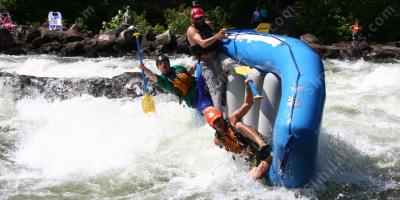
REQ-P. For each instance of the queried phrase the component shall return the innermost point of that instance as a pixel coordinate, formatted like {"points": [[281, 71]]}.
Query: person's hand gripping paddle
{"points": [[148, 104], [245, 71]]}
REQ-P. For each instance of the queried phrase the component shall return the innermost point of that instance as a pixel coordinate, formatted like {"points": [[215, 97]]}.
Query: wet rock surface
{"points": [[128, 84], [353, 50], [121, 42]]}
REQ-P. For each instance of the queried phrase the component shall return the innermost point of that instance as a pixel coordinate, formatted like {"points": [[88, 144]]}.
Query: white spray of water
{"points": [[361, 121], [51, 66], [86, 137], [111, 149]]}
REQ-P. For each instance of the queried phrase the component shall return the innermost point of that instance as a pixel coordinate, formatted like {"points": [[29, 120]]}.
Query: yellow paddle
{"points": [[148, 104], [263, 27], [245, 71]]}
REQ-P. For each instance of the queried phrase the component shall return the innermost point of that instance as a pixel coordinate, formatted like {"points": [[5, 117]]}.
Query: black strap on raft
{"points": [[288, 150]]}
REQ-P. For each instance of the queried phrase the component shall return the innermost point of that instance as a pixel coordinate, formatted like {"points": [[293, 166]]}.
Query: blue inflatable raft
{"points": [[298, 121]]}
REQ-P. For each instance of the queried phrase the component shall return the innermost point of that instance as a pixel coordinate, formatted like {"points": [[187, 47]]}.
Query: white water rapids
{"points": [[98, 148]]}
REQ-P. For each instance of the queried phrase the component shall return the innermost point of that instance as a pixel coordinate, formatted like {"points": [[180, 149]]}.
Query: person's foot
{"points": [[257, 172], [261, 145]]}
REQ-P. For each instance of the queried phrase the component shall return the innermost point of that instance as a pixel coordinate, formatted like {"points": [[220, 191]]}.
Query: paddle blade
{"points": [[263, 27], [243, 70], [148, 104]]}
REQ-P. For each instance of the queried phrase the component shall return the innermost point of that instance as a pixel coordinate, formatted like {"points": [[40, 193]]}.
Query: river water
{"points": [[98, 148]]}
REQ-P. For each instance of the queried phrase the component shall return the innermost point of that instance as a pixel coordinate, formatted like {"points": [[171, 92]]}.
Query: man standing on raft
{"points": [[206, 46], [237, 136], [177, 80]]}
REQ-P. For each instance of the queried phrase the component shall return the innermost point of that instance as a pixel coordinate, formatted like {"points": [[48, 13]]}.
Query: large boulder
{"points": [[327, 51], [309, 38], [91, 46], [182, 45], [107, 37], [14, 51], [106, 48], [6, 40], [73, 36], [48, 36], [126, 41], [74, 49], [146, 43], [26, 33], [351, 52], [382, 51], [128, 84], [394, 44], [165, 42], [44, 32], [119, 29]]}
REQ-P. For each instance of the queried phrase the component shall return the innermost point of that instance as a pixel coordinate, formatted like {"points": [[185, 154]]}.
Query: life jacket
{"points": [[182, 83], [205, 33], [232, 139]]}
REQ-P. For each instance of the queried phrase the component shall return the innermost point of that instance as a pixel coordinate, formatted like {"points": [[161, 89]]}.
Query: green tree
{"points": [[177, 19], [330, 19]]}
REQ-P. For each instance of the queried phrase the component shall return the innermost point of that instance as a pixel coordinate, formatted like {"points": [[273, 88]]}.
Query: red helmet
{"points": [[211, 114], [196, 13]]}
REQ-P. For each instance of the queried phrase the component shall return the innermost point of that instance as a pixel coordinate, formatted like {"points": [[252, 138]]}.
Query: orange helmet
{"points": [[211, 114], [196, 13]]}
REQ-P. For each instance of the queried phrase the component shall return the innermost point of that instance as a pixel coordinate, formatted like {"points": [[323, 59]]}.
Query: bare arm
{"points": [[149, 73], [195, 38], [192, 69], [245, 107]]}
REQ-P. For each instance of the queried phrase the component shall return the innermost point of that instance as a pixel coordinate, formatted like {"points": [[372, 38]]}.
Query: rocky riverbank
{"points": [[121, 42], [351, 50], [128, 84]]}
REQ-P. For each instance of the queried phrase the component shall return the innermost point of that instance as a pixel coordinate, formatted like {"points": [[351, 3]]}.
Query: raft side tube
{"points": [[302, 99]]}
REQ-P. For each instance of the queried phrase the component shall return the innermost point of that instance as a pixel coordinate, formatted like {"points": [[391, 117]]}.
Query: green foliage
{"points": [[113, 23], [327, 19], [177, 20], [219, 17], [139, 21], [330, 19], [142, 24], [82, 24], [7, 5]]}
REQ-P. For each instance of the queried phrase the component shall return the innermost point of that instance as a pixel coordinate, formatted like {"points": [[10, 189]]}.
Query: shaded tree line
{"points": [[327, 19]]}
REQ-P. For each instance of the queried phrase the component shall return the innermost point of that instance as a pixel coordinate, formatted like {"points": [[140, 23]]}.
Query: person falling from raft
{"points": [[179, 81], [237, 137], [206, 46]]}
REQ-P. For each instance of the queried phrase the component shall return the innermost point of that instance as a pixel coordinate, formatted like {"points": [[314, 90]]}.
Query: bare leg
{"points": [[260, 170], [217, 142], [250, 133]]}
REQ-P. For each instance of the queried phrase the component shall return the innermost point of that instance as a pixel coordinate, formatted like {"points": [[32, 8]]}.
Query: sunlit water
{"points": [[99, 148]]}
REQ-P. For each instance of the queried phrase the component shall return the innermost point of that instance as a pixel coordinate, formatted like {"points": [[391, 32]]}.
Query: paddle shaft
{"points": [[141, 62], [251, 84]]}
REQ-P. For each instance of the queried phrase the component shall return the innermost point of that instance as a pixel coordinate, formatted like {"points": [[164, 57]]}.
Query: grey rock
{"points": [[309, 38], [125, 85], [6, 40]]}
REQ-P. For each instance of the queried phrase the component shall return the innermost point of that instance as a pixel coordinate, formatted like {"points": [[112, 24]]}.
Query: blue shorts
{"points": [[202, 99]]}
